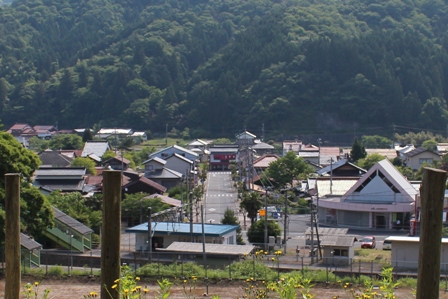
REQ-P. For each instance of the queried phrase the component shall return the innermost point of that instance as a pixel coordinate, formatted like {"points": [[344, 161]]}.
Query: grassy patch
{"points": [[372, 254]]}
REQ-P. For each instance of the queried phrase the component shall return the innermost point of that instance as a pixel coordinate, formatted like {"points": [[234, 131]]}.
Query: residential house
{"points": [[377, 200], [51, 158], [419, 156], [245, 139], [262, 163], [175, 149], [166, 200], [198, 144], [143, 185], [45, 132], [327, 154], [221, 156], [139, 137], [156, 171], [180, 164], [64, 179], [341, 168], [119, 134], [117, 163], [262, 148], [442, 148], [291, 145], [166, 233], [95, 149]]}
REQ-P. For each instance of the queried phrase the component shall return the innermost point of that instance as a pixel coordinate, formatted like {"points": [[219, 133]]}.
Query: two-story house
{"points": [[156, 171]]}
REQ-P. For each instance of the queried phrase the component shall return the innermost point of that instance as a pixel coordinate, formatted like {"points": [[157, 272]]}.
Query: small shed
{"points": [[338, 250], [405, 252]]}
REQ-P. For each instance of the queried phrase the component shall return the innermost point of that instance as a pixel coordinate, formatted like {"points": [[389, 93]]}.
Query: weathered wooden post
{"points": [[12, 239], [110, 233], [432, 195]]}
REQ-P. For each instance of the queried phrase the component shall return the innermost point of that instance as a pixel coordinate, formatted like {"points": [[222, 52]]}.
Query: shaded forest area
{"points": [[219, 66]]}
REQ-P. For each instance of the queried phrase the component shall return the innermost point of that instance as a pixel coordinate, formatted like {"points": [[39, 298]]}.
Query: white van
{"points": [[387, 244]]}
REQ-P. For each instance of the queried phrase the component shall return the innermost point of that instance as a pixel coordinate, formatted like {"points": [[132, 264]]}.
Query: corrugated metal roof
{"points": [[166, 199], [70, 222], [336, 186], [180, 228], [28, 242], [226, 249], [323, 231], [338, 241]]}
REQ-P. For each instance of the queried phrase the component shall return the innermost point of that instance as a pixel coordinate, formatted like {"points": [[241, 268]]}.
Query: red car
{"points": [[368, 242]]}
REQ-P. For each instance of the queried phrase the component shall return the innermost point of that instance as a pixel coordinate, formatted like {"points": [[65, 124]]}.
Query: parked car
{"points": [[368, 242], [387, 245]]}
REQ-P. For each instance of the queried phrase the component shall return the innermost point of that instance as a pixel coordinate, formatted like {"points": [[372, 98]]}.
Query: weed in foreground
{"points": [[32, 291]]}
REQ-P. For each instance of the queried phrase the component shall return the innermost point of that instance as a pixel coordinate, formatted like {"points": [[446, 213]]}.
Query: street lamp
{"points": [[70, 254]]}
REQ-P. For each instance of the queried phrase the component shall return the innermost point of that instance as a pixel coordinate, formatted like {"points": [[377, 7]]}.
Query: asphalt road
{"points": [[220, 195]]}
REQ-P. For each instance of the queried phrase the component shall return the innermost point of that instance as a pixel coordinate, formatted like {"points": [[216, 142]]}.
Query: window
{"points": [[340, 252], [425, 160]]}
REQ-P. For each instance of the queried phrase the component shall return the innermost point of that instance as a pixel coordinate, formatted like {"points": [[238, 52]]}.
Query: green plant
{"points": [[32, 291], [256, 289], [127, 287], [288, 285], [164, 289], [189, 286], [55, 270]]}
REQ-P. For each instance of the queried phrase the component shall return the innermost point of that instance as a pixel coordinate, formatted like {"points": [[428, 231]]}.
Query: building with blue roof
{"points": [[166, 233]]}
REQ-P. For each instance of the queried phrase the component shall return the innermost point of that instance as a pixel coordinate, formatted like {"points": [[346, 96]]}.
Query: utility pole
{"points": [[166, 134], [266, 245], [204, 253], [331, 175], [312, 236], [286, 224], [191, 216], [149, 236]]}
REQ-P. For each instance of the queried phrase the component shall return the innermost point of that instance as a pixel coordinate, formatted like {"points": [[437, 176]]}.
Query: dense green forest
{"points": [[219, 66]]}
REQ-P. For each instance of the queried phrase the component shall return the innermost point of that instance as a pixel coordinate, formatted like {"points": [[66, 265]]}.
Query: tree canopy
{"points": [[35, 211], [288, 168], [215, 67]]}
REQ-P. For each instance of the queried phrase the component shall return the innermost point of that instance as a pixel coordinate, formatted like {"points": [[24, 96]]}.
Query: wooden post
{"points": [[12, 231], [432, 195], [110, 237]]}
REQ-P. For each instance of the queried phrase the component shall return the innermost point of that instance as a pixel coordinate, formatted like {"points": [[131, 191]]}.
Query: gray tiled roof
{"points": [[97, 148], [60, 172], [164, 173]]}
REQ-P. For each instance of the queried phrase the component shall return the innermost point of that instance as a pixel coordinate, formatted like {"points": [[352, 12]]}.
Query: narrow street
{"points": [[220, 196]]}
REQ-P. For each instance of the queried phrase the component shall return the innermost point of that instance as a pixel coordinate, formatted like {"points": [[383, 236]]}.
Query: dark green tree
{"points": [[370, 160], [66, 142], [87, 135], [358, 151], [255, 233], [230, 218], [251, 202], [36, 213]]}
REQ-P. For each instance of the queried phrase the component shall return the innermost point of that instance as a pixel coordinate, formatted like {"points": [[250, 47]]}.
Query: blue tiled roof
{"points": [[181, 228]]}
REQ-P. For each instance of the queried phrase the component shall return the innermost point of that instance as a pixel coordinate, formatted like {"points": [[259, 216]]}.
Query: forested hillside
{"points": [[220, 66]]}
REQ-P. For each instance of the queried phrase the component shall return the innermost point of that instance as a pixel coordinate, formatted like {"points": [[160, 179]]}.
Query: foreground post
{"points": [[110, 237], [12, 239], [432, 195]]}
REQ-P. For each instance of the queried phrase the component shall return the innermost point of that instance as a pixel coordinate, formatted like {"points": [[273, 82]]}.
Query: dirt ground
{"points": [[78, 287]]}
